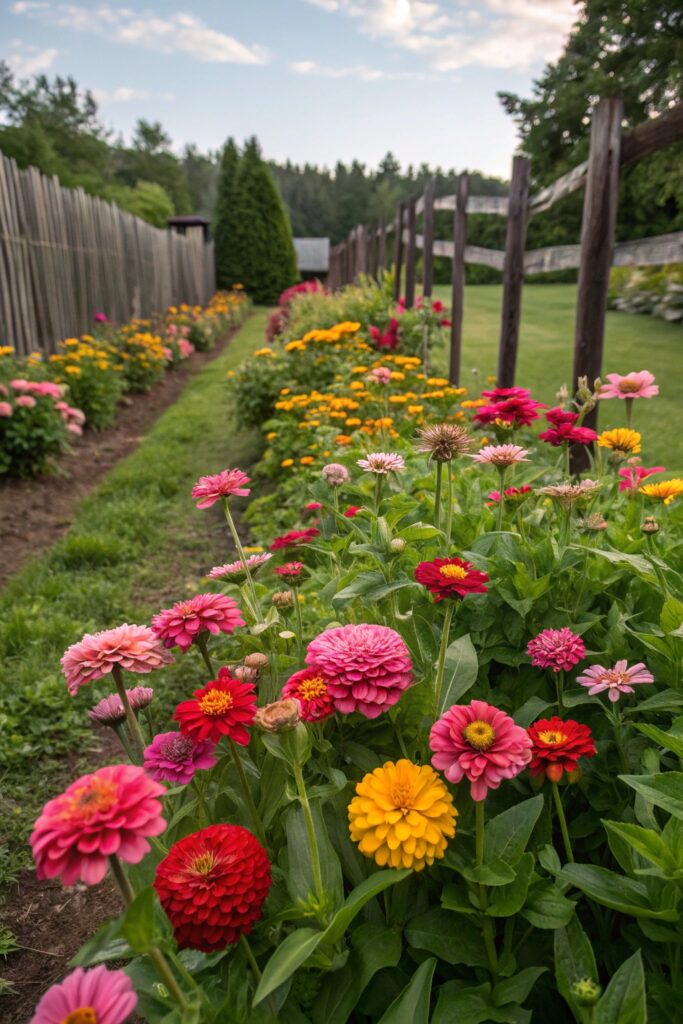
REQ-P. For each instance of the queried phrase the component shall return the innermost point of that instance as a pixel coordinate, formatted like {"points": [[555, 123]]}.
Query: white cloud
{"points": [[179, 32], [29, 60], [127, 94], [362, 71], [513, 34]]}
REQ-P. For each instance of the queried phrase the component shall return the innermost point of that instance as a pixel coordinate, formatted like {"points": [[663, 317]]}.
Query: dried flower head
{"points": [[567, 494], [283, 599], [280, 716], [443, 441], [593, 523]]}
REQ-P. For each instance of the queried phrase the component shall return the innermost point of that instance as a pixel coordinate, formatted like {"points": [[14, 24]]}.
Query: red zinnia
{"points": [[212, 885], [291, 570], [294, 539], [451, 577], [352, 511], [519, 410], [221, 708], [564, 429], [309, 687], [557, 746]]}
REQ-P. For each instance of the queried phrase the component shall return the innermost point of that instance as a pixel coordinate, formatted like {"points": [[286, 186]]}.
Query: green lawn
{"points": [[545, 358]]}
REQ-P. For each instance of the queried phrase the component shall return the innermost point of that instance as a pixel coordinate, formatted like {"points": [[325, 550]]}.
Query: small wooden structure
{"points": [[181, 225], [312, 257]]}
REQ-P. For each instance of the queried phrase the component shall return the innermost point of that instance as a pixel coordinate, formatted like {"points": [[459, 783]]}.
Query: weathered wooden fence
{"points": [[65, 256], [610, 150]]}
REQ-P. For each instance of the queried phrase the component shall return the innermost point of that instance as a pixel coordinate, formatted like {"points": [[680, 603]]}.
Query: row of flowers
{"points": [[45, 401], [347, 785]]}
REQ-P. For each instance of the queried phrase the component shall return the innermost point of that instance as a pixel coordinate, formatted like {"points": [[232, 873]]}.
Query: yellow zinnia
{"points": [[620, 440], [402, 815], [665, 491]]}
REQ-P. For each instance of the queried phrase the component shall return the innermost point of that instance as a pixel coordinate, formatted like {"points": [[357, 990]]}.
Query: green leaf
{"points": [[460, 672], [139, 923], [506, 835], [509, 899], [663, 790], [574, 961], [615, 891], [671, 615], [287, 958], [665, 700], [419, 531], [668, 740], [639, 564], [300, 869], [624, 999], [375, 947], [413, 1003], [496, 873], [460, 1003], [105, 944], [356, 900], [546, 907], [515, 990], [530, 711], [455, 897], [361, 584], [435, 932], [647, 843]]}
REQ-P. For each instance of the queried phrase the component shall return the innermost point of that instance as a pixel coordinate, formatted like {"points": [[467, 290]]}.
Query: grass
{"points": [[545, 355], [137, 543]]}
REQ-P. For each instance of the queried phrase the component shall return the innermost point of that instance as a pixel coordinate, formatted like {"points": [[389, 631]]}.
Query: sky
{"points": [[316, 80]]}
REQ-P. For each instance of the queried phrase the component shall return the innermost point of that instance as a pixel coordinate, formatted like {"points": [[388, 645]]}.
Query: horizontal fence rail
{"points": [[65, 255]]}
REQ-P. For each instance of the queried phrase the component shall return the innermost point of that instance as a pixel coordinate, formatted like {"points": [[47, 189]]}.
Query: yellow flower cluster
{"points": [[78, 355], [330, 336]]}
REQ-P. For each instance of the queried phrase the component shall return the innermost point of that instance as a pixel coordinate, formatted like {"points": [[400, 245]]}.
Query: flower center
{"points": [[204, 863], [552, 738], [453, 572], [215, 702], [629, 387], [402, 795], [83, 1015], [96, 797], [479, 735], [177, 749], [311, 688]]}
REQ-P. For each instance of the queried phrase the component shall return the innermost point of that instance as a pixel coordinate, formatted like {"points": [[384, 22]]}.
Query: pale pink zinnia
{"points": [[109, 812], [557, 649], [638, 384], [95, 996], [366, 667], [334, 474], [182, 624], [617, 680], [228, 483], [133, 648], [632, 476], [172, 757], [110, 710], [481, 743], [5, 410], [382, 462], [27, 401], [501, 455], [235, 570]]}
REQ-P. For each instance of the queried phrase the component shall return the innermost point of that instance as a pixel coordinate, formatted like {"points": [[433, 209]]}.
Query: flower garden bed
{"points": [[426, 764]]}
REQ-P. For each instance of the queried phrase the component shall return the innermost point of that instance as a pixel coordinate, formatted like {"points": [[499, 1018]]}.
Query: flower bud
{"points": [[256, 660], [279, 716], [586, 992], [650, 525], [246, 674], [593, 523], [397, 545], [283, 599], [334, 474]]}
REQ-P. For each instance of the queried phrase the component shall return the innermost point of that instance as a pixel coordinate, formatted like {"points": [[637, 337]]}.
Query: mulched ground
{"points": [[36, 513]]}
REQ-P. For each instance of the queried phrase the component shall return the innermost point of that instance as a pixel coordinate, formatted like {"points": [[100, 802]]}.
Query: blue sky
{"points": [[316, 80]]}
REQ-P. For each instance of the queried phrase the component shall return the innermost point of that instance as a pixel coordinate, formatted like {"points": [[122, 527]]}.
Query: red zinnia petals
{"points": [[212, 885], [451, 577], [557, 746], [221, 708], [294, 539]]}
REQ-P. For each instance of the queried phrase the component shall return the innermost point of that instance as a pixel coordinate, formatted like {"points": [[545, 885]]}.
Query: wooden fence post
{"points": [[513, 271], [428, 238], [458, 279], [411, 255], [353, 254], [597, 246], [361, 251], [398, 249], [382, 246]]}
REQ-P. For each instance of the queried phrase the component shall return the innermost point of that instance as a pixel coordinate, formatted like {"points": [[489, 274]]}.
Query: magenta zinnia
{"points": [[186, 620], [557, 649], [110, 710], [172, 757], [228, 483], [133, 648]]}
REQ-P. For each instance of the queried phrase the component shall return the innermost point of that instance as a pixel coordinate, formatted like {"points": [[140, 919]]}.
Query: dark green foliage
{"points": [[225, 223]]}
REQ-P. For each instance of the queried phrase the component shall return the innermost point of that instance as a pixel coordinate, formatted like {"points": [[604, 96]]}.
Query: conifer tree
{"points": [[225, 220]]}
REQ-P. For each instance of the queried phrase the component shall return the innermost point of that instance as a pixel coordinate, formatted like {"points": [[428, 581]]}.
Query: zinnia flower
{"points": [[310, 689], [291, 570], [450, 577], [172, 757], [235, 570], [366, 667], [402, 815], [352, 511], [294, 539], [183, 623], [634, 385], [567, 494], [109, 812], [110, 710], [622, 440], [564, 429], [133, 648], [513, 406], [5, 410], [382, 462], [557, 746], [515, 494], [501, 455], [557, 649], [228, 483], [617, 680], [221, 708], [666, 491], [631, 476], [334, 474], [212, 885], [443, 441], [96, 996], [481, 743]]}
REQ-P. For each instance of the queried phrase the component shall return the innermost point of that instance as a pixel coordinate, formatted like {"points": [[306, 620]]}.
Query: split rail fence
{"points": [[65, 255], [611, 148]]}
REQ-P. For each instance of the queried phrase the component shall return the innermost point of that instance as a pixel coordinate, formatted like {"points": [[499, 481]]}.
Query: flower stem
{"points": [[256, 970], [449, 507], [248, 798], [378, 491], [242, 557], [557, 797], [441, 663], [299, 627], [204, 651], [134, 731], [489, 938], [437, 495], [501, 499], [629, 411], [559, 680], [312, 839], [480, 818], [121, 733]]}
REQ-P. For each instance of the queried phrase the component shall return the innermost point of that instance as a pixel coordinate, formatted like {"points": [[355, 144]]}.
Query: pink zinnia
{"points": [[517, 410], [182, 624], [557, 649], [382, 462], [228, 483], [334, 474], [235, 570], [312, 507], [133, 648], [109, 812], [309, 687], [172, 757], [481, 743], [617, 680], [5, 410], [501, 455], [564, 429], [352, 511], [26, 401], [633, 385], [110, 710], [96, 996], [631, 476], [366, 667]]}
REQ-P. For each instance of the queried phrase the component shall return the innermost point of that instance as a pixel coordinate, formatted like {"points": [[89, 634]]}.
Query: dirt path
{"points": [[36, 513]]}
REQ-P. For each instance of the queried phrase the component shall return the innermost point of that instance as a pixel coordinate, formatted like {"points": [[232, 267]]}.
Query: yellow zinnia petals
{"points": [[620, 440], [665, 491]]}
